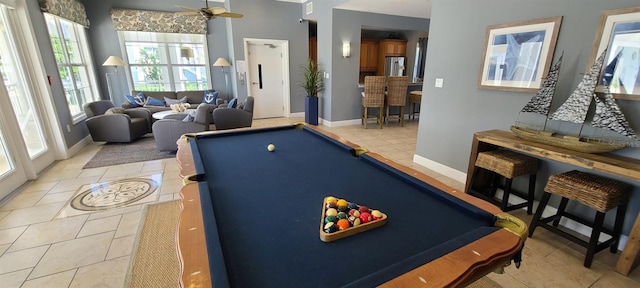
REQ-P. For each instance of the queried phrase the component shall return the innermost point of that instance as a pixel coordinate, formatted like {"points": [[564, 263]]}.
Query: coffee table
{"points": [[163, 114]]}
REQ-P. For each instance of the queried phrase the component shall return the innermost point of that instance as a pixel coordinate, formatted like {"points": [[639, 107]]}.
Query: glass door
{"points": [[23, 148]]}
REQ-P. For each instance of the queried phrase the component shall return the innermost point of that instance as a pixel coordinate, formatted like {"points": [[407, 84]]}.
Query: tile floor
{"points": [[93, 250]]}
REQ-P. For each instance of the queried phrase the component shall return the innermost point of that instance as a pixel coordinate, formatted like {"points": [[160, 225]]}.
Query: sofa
{"points": [[160, 99], [168, 130]]}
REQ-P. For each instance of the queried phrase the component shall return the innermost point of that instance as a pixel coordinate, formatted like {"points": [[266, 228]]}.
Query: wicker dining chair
{"points": [[373, 97], [397, 96]]}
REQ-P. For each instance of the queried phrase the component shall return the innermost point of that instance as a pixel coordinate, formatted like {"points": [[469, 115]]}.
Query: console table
{"points": [[625, 167]]}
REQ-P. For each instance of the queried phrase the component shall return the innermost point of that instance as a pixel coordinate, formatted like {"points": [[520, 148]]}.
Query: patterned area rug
{"points": [[143, 149]]}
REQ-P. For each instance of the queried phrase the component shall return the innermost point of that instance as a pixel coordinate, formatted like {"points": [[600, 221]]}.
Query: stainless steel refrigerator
{"points": [[394, 66]]}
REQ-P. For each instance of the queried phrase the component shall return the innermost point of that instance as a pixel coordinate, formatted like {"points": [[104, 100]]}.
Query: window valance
{"points": [[71, 10], [156, 21]]}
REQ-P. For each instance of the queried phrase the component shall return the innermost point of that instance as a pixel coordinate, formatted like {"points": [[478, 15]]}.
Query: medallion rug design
{"points": [[112, 194]]}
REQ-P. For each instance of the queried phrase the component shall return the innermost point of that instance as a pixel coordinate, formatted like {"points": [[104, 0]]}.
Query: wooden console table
{"points": [[626, 167]]}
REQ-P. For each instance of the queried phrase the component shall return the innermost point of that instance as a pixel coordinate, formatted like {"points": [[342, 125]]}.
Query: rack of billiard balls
{"points": [[341, 218]]}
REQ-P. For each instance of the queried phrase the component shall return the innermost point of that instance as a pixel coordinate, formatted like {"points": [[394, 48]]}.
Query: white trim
{"points": [[296, 115], [440, 168], [75, 149], [340, 123]]}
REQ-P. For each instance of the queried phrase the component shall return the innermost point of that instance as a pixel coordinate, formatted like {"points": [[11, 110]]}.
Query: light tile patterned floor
{"points": [[93, 250]]}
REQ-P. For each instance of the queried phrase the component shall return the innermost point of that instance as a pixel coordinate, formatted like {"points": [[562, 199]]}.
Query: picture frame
{"points": [[619, 31], [517, 56]]}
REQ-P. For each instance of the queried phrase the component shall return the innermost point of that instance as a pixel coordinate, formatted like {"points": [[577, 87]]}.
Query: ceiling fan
{"points": [[208, 12]]}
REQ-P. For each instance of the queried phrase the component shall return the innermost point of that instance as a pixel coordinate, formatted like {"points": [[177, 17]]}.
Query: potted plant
{"points": [[312, 84]]}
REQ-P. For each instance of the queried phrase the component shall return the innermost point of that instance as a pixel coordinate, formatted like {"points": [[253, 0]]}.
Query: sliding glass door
{"points": [[24, 150]]}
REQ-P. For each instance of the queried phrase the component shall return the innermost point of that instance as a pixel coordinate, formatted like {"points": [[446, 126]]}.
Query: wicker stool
{"points": [[415, 97], [597, 192], [509, 165]]}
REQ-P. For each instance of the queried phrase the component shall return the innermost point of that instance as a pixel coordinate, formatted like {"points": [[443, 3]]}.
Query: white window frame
{"points": [[86, 63], [164, 41]]}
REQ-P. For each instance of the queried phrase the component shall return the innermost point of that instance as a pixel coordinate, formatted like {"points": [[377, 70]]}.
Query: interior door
{"points": [[266, 78]]}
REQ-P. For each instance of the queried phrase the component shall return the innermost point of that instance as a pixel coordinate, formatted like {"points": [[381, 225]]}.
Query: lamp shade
{"points": [[221, 62], [346, 50], [114, 61], [186, 52]]}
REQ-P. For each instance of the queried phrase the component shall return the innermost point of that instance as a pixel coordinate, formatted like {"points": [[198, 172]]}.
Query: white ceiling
{"points": [[407, 8]]}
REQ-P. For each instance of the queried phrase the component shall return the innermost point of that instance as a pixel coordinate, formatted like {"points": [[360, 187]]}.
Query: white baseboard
{"points": [[440, 168], [340, 123], [548, 211], [296, 115], [68, 153]]}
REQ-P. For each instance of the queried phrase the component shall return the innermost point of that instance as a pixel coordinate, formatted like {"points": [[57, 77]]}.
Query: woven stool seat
{"points": [[415, 97], [597, 192], [507, 163]]}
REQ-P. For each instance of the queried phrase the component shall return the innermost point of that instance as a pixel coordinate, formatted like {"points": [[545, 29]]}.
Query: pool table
{"points": [[251, 217]]}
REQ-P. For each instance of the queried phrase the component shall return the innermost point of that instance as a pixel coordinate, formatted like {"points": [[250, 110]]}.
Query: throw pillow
{"points": [[154, 102], [210, 97], [114, 110], [136, 101], [233, 103], [170, 101]]}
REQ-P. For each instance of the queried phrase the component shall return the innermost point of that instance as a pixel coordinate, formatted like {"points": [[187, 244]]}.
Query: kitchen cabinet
{"points": [[313, 49], [392, 47], [369, 55]]}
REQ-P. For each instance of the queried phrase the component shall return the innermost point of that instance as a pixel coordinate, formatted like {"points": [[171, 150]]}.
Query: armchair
{"points": [[168, 130], [116, 127], [230, 118]]}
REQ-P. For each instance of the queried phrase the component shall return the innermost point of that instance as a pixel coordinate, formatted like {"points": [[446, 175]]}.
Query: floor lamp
{"points": [[221, 62], [114, 61]]}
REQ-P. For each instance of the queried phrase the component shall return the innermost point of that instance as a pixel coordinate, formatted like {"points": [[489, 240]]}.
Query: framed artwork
{"points": [[517, 56], [619, 34]]}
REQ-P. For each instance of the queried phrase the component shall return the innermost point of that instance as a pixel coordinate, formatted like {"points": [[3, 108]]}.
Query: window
{"points": [[166, 61], [71, 50]]}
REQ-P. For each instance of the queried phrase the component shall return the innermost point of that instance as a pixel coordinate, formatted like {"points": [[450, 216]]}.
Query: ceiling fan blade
{"points": [[187, 8], [217, 10], [230, 15]]}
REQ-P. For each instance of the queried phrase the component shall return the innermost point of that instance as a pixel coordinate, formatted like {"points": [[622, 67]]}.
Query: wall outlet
{"points": [[326, 75], [439, 82], [68, 128]]}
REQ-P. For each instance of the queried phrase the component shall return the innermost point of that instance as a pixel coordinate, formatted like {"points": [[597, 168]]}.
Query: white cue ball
{"points": [[271, 147]]}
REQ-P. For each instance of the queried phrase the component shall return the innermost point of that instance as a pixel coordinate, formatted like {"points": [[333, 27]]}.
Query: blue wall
{"points": [[453, 113]]}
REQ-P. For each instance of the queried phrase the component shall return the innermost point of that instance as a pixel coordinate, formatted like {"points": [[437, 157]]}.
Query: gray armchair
{"points": [[121, 126], [231, 118], [168, 130]]}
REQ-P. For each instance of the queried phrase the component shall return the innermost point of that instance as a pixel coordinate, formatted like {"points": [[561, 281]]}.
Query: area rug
{"points": [[154, 259], [143, 149]]}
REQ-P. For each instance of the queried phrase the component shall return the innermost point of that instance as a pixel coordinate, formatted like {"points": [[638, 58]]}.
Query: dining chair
{"points": [[373, 97], [396, 96]]}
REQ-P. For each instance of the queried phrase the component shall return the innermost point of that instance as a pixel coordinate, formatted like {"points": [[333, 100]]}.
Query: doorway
{"points": [[24, 151], [268, 76]]}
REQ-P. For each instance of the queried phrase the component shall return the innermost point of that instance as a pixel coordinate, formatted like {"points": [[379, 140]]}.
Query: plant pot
{"points": [[311, 110]]}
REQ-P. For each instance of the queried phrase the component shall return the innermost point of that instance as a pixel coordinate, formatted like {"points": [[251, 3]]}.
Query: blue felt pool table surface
{"points": [[262, 212]]}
